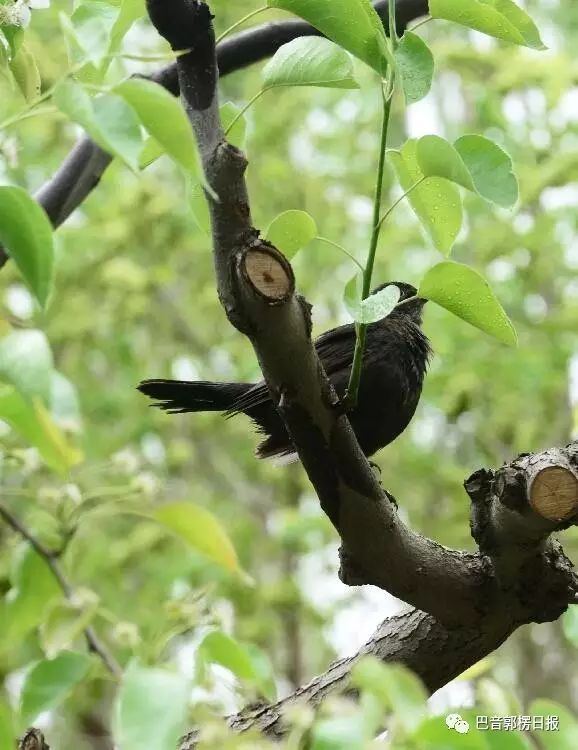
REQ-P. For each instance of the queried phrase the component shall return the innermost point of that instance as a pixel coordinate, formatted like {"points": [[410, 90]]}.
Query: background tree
{"points": [[134, 296]]}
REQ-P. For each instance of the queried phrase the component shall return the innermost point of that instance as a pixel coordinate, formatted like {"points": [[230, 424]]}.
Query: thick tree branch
{"points": [[256, 288], [473, 601], [546, 583], [83, 168], [412, 638]]}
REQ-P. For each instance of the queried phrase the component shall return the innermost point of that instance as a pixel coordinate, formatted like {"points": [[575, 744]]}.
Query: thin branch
{"points": [[51, 560]]}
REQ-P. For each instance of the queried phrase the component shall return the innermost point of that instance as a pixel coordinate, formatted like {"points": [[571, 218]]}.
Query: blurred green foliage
{"points": [[134, 297]]}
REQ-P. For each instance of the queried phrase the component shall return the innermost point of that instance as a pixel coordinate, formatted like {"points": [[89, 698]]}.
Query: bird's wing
{"points": [[335, 348], [258, 394]]}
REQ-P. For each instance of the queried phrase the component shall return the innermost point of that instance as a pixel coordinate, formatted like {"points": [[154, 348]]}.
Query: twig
{"points": [[49, 557]]}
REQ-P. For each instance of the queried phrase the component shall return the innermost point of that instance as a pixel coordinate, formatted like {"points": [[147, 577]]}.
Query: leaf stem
{"points": [[392, 26], [343, 250], [377, 200], [355, 376], [240, 114], [51, 560], [421, 23], [396, 203], [241, 21]]}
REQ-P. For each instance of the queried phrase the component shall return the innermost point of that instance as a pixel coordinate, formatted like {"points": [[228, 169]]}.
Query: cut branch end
{"points": [[268, 273], [553, 493]]}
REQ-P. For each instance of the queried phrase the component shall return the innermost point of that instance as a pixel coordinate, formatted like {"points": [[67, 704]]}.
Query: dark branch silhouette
{"points": [[464, 605]]}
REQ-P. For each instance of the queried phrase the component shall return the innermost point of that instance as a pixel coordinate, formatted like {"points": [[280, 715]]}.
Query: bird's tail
{"points": [[179, 396]]}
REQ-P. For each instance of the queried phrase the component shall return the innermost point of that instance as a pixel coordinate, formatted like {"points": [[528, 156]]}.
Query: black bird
{"points": [[394, 363]]}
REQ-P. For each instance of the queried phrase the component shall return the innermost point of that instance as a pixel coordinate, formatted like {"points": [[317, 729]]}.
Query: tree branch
{"points": [[436, 653], [94, 643], [83, 168], [470, 602], [33, 739]]}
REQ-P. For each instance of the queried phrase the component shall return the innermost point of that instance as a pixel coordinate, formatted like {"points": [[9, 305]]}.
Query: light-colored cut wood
{"points": [[268, 275], [554, 493]]}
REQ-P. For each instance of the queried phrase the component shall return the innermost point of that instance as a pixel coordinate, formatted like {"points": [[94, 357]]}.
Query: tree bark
{"points": [[465, 605]]}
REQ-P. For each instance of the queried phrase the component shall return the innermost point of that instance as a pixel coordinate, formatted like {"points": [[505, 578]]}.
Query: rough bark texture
{"points": [[465, 605], [33, 739]]}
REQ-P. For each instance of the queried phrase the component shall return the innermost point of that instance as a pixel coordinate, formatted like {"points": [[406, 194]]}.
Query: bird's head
{"points": [[409, 305]]}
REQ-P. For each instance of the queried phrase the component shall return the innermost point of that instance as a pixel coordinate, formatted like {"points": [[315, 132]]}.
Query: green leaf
{"points": [[415, 66], [438, 158], [502, 19], [378, 305], [219, 648], [436, 202], [474, 162], [395, 686], [119, 127], [466, 293], [291, 230], [247, 662], [4, 59], [34, 423], [434, 734], [108, 119], [200, 208], [263, 669], [490, 168], [25, 72], [90, 28], [34, 588], [373, 308], [563, 738], [7, 726], [130, 11], [352, 24], [201, 530], [165, 119], [14, 35], [310, 61], [238, 132], [151, 151], [136, 725], [26, 363], [63, 624], [339, 733], [352, 294], [26, 232], [50, 681]]}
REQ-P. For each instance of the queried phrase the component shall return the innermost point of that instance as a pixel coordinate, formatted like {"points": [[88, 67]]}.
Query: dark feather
{"points": [[394, 364]]}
